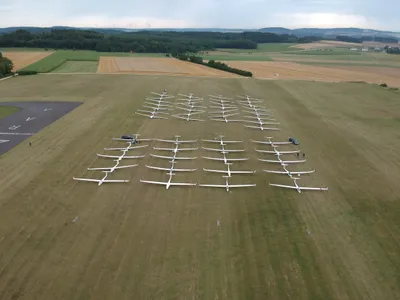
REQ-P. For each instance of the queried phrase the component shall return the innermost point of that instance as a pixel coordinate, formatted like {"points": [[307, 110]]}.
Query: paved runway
{"points": [[32, 117]]}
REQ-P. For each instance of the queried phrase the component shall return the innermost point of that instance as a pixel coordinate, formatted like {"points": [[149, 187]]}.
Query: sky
{"points": [[244, 14]]}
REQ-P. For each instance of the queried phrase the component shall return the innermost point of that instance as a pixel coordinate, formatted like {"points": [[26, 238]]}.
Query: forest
{"points": [[142, 41]]}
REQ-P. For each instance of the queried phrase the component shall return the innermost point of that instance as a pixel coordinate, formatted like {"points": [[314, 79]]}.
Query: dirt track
{"points": [[161, 66], [23, 59], [289, 70]]}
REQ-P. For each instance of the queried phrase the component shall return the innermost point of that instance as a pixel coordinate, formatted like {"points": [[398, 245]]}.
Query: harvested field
{"points": [[325, 44], [376, 71], [288, 70], [24, 59], [160, 66], [138, 241]]}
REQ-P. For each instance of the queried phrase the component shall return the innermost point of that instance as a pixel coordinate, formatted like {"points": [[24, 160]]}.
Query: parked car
{"points": [[294, 141], [126, 137]]}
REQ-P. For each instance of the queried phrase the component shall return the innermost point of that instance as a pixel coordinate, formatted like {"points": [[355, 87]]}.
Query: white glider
{"points": [[100, 181], [172, 157], [126, 148], [299, 188], [134, 138], [176, 149], [262, 128], [229, 171], [289, 173], [276, 152], [112, 169], [221, 141], [270, 142], [223, 150], [119, 157], [283, 161], [168, 183], [224, 159], [177, 140], [227, 186]]}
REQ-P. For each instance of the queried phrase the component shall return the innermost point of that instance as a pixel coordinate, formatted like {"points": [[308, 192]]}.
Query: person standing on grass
{"points": [[30, 144]]}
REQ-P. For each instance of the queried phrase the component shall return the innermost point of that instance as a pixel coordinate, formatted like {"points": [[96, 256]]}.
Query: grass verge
{"points": [[7, 110]]}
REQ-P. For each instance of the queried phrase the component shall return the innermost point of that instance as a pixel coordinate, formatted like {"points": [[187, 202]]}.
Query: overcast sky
{"points": [[383, 14]]}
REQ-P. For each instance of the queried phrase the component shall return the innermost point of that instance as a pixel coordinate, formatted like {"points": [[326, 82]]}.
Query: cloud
{"points": [[204, 13], [324, 20]]}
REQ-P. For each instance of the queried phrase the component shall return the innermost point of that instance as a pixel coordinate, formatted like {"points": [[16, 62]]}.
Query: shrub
{"points": [[383, 85], [23, 73]]}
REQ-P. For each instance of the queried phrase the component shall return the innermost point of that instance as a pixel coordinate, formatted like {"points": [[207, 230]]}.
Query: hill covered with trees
{"points": [[142, 41]]}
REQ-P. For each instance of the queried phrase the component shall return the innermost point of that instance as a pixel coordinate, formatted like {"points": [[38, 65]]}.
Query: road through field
{"points": [[198, 243]]}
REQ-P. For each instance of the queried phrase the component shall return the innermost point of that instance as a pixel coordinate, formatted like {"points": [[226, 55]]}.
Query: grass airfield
{"points": [[141, 240]]}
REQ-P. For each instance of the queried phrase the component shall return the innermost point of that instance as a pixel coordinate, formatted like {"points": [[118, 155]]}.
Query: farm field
{"points": [[326, 44], [162, 66], [289, 70], [393, 72], [23, 59], [264, 47], [77, 67], [135, 239], [59, 57]]}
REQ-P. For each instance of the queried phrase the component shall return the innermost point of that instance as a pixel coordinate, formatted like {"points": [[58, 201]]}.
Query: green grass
{"points": [[326, 57], [264, 48], [77, 67], [7, 110], [323, 52], [53, 61], [349, 64], [23, 49], [142, 240], [237, 57]]}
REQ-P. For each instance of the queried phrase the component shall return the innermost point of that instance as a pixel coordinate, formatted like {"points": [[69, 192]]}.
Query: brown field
{"points": [[24, 59], [289, 70], [377, 71], [299, 58], [379, 44], [325, 44], [160, 66]]}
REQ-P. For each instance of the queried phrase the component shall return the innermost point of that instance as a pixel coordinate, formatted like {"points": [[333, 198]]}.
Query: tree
{"points": [[6, 66]]}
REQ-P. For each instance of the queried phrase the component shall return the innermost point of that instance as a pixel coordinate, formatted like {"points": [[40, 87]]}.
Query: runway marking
{"points": [[4, 141], [30, 119], [14, 127], [47, 109], [15, 133]]}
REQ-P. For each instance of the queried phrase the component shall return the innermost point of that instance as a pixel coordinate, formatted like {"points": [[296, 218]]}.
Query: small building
{"points": [[353, 49], [364, 49]]}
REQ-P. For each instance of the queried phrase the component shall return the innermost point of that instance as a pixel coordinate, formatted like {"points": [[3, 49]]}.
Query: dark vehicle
{"points": [[127, 137], [294, 141]]}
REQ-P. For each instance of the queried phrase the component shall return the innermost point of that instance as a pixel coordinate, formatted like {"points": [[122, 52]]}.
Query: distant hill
{"points": [[326, 33], [331, 33], [113, 30]]}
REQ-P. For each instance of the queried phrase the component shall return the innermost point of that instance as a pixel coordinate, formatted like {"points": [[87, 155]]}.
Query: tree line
{"points": [[349, 39], [6, 66], [141, 41], [212, 64], [392, 50]]}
